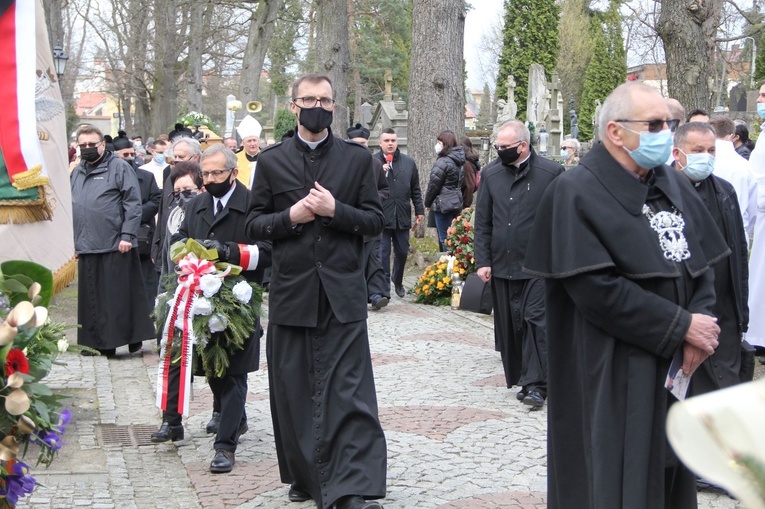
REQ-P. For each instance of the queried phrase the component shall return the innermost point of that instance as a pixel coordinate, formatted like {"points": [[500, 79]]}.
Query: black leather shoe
{"points": [[298, 495], [521, 395], [222, 462], [400, 291], [212, 426], [379, 302], [167, 432], [534, 400], [135, 347], [356, 502]]}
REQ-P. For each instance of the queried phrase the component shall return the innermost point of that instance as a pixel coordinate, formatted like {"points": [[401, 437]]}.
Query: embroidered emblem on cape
{"points": [[669, 226]]}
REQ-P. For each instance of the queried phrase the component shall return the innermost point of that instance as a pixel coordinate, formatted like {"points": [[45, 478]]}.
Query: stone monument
{"points": [[574, 123], [738, 98], [506, 110], [542, 140], [536, 105], [554, 116], [596, 121]]}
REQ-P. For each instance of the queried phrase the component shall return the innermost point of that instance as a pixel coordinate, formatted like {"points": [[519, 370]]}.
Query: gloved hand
{"points": [[222, 248]]}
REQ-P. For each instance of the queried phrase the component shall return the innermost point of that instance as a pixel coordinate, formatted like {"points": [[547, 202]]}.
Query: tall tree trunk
{"points": [[353, 49], [54, 11], [164, 108], [436, 89], [261, 29], [688, 31], [198, 21], [332, 55]]}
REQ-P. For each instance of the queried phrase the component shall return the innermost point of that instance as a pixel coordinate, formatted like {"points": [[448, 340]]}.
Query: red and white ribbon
{"points": [[248, 256]]}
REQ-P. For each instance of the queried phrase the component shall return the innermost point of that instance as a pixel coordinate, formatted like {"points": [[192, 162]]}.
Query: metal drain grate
{"points": [[130, 436]]}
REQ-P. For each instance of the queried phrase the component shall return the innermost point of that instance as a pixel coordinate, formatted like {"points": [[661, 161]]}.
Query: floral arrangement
{"points": [[194, 118], [435, 284], [459, 241], [203, 299], [29, 346]]}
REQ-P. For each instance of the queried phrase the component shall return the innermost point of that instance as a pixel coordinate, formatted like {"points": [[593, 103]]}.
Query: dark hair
{"points": [[388, 130], [311, 78], [89, 129], [470, 152], [162, 143], [448, 140], [682, 132], [722, 125], [742, 131], [190, 168], [697, 111]]}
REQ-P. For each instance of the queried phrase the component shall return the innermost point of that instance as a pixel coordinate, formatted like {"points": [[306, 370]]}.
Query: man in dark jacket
{"points": [[511, 189], [106, 208], [150, 198], [217, 219], [404, 184], [694, 154], [627, 248], [378, 287], [315, 197]]}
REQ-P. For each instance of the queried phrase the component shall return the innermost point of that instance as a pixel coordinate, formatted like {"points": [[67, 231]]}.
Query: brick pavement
{"points": [[456, 436]]}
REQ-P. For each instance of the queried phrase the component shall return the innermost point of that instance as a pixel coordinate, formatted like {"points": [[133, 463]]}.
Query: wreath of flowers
{"points": [[193, 118], [435, 284], [459, 242], [29, 345], [223, 309]]}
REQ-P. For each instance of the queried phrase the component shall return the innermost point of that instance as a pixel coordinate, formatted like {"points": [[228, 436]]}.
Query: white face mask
{"points": [[438, 148], [564, 153]]}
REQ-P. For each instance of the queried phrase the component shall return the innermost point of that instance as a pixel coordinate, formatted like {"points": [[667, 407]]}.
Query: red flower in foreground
{"points": [[16, 361]]}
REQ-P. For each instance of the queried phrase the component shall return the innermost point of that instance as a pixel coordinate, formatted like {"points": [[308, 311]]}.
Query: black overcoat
{"points": [[617, 311], [325, 251], [405, 191], [229, 227]]}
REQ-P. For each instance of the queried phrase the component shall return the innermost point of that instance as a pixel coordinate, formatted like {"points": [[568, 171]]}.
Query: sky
{"points": [[483, 11]]}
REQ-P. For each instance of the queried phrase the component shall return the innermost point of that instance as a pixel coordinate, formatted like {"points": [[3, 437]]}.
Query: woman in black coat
{"points": [[443, 194]]}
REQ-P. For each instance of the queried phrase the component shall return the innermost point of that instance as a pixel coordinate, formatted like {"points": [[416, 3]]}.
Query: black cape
{"points": [[617, 311]]}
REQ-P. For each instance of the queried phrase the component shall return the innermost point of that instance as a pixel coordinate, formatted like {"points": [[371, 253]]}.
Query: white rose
{"points": [[63, 345], [242, 291], [210, 284], [202, 307], [217, 323]]}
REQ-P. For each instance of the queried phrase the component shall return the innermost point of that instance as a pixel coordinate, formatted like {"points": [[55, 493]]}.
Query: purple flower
{"points": [[64, 418], [17, 482], [52, 440]]}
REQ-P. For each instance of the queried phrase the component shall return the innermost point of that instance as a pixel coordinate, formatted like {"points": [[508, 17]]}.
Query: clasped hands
{"points": [[319, 202], [700, 341]]}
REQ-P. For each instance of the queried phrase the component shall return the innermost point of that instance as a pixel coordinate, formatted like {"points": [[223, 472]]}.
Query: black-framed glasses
{"points": [[654, 126], [216, 174], [505, 147], [89, 145], [311, 102]]}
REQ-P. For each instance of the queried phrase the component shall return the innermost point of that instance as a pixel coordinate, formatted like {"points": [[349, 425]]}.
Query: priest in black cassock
{"points": [[315, 196], [627, 248], [694, 155]]}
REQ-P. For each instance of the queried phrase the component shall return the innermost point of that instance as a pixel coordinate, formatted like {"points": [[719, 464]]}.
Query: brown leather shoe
{"points": [[222, 462]]}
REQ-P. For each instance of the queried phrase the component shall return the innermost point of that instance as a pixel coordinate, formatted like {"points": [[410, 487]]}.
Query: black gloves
{"points": [[222, 248]]}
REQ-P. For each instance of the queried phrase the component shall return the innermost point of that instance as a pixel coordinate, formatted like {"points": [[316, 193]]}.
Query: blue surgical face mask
{"points": [[564, 153], [160, 158], [761, 110], [654, 148], [698, 166]]}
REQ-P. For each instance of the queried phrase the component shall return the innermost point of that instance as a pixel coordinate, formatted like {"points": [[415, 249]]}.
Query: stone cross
{"points": [[510, 89], [554, 115], [388, 85]]}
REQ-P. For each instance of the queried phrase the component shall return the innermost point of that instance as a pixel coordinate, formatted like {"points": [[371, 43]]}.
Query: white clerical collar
{"points": [[224, 198], [312, 144]]}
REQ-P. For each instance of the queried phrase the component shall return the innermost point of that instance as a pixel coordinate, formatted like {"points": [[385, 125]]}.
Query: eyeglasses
{"points": [[89, 145], [311, 102], [192, 190], [654, 126], [216, 174], [505, 147], [128, 155]]}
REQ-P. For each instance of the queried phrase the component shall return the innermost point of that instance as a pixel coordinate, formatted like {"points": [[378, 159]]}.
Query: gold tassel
{"points": [[33, 177], [26, 211], [64, 275]]}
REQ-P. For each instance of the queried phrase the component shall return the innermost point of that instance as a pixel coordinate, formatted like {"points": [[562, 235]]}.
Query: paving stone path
{"points": [[457, 438]]}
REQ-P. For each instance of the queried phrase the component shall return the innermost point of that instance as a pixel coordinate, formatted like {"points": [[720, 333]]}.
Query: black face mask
{"points": [[218, 189], [129, 160], [509, 155], [315, 119], [90, 155], [185, 197]]}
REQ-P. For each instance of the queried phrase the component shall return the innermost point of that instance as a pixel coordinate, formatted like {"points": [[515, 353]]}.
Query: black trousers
{"points": [[400, 240], [519, 322], [377, 283], [231, 391]]}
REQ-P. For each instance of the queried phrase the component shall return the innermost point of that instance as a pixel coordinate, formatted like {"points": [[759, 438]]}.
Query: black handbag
{"points": [[748, 354], [144, 238], [476, 295], [449, 200]]}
